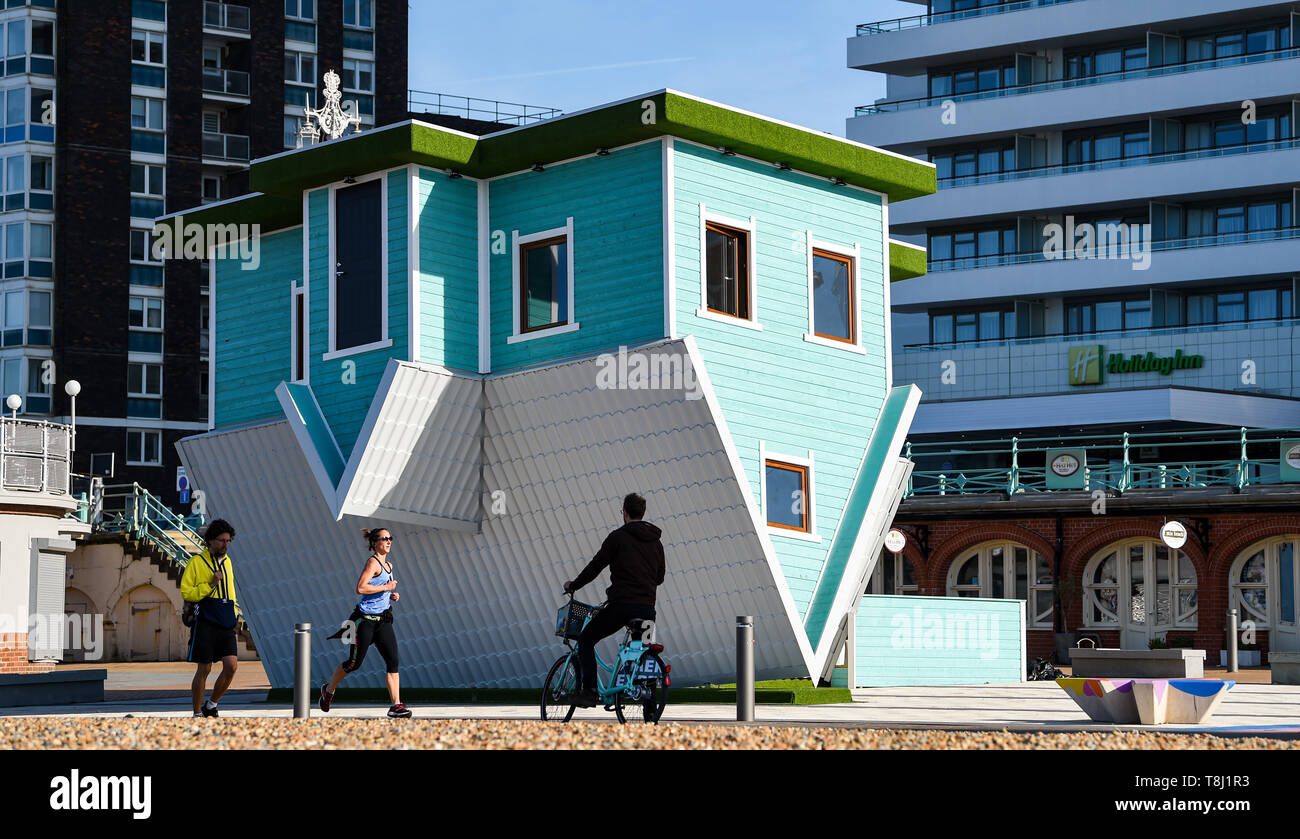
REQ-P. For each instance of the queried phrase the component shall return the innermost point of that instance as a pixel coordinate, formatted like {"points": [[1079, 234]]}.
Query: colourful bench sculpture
{"points": [[1147, 701]]}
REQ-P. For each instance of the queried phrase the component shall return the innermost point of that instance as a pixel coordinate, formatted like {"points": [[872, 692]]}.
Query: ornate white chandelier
{"points": [[331, 120]]}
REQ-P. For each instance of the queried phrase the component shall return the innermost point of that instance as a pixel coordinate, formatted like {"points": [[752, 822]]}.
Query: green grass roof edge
{"points": [[282, 178], [905, 263]]}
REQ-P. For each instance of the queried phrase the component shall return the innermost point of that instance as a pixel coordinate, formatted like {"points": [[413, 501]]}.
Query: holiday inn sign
{"points": [[1085, 363]]}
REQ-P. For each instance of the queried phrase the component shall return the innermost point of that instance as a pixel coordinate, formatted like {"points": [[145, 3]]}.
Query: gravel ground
{"points": [[156, 733]]}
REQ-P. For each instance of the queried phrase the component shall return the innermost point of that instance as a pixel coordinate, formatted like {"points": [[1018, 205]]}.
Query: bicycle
{"points": [[638, 675]]}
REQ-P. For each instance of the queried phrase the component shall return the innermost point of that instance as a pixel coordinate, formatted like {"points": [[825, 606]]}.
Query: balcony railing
{"points": [[228, 82], [1117, 163], [968, 262], [226, 16], [944, 17], [225, 146], [1084, 81], [1248, 457], [488, 110], [34, 456]]}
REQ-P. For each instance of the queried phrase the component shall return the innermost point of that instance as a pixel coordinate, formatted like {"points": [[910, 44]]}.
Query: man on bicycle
{"points": [[635, 558]]}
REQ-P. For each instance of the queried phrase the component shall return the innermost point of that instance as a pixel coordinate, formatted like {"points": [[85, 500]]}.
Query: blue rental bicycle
{"points": [[638, 676]]}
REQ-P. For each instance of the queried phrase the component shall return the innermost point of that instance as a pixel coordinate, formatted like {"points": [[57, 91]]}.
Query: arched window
{"points": [[1005, 570], [1141, 587], [1263, 587], [894, 574]]}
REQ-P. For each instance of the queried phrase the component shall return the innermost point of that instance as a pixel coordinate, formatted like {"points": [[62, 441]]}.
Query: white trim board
{"points": [[385, 339], [750, 227], [517, 241]]}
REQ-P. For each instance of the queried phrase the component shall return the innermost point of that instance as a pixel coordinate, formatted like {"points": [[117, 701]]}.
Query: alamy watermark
{"points": [[73, 631], [175, 239], [647, 370], [1098, 241], [934, 630]]}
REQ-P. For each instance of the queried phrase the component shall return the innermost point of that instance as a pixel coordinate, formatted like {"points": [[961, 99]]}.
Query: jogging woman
{"points": [[373, 622]]}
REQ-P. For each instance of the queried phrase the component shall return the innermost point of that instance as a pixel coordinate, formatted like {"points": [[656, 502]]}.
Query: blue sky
{"points": [[782, 60]]}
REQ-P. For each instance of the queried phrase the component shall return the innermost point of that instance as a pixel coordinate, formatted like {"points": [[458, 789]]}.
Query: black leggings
{"points": [[607, 622], [381, 634]]}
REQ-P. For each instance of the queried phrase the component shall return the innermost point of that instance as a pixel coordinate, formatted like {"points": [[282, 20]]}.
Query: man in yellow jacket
{"points": [[209, 581]]}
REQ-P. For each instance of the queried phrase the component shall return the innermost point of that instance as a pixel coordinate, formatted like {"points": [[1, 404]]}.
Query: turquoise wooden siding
{"points": [[345, 386], [448, 269], [250, 338], [317, 431], [774, 386], [617, 209], [938, 641]]}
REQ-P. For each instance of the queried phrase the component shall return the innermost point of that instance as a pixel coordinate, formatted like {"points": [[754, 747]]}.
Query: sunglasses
{"points": [[384, 539]]}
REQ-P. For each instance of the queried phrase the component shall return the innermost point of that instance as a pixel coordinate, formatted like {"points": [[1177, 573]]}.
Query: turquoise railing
{"points": [[1115, 463], [917, 21], [132, 509]]}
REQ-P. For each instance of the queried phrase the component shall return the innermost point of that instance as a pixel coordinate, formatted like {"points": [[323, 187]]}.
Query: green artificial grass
{"points": [[905, 262], [776, 692]]}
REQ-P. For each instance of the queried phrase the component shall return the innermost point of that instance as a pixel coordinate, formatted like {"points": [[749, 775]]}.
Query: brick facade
{"points": [[13, 655], [950, 540]]}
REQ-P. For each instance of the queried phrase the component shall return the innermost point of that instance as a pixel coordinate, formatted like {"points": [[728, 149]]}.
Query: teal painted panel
{"points": [[345, 387], [447, 210], [875, 467], [900, 640], [773, 386], [616, 202], [250, 338], [317, 430]]}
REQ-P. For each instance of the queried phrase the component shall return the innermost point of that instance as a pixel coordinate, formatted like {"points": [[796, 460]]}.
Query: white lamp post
{"points": [[72, 387], [14, 402]]}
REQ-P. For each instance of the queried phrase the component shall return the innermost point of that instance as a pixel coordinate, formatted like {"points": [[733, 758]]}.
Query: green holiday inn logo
{"points": [[1085, 363]]}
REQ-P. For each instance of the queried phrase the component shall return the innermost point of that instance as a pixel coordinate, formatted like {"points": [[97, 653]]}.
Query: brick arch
{"points": [[1225, 552], [922, 568], [1077, 554], [952, 547]]}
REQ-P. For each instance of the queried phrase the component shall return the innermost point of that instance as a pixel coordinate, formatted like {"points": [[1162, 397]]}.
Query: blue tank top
{"points": [[377, 603]]}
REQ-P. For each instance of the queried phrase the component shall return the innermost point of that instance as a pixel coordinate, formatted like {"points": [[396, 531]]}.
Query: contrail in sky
{"points": [[574, 70]]}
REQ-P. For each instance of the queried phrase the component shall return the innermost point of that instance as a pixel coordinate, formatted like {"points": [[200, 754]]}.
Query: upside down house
{"points": [[484, 342]]}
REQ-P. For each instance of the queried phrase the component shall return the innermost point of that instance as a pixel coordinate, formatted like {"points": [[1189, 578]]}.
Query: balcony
{"points": [[1231, 461], [226, 83], [913, 123], [1119, 181], [225, 148], [34, 461], [226, 19], [1265, 253], [907, 46]]}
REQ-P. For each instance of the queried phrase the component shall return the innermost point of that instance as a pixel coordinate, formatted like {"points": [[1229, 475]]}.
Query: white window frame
{"points": [[31, 159], [147, 302], [28, 241], [31, 389], [1123, 587], [142, 432], [148, 248], [1272, 584], [32, 21], [299, 15], [854, 253], [356, 75], [203, 186], [299, 290], [984, 551], [385, 338], [356, 6], [150, 36], [296, 56], [147, 126], [750, 228], [810, 511], [150, 171], [877, 581], [144, 380], [517, 242]]}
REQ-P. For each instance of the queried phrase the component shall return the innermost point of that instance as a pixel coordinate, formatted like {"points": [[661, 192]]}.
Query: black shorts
{"points": [[373, 632], [210, 643]]}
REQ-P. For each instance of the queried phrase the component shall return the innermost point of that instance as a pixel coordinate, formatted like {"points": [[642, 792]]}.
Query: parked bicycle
{"points": [[637, 676]]}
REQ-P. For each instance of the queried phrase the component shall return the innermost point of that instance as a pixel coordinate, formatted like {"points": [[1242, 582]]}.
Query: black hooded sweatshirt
{"points": [[635, 558]]}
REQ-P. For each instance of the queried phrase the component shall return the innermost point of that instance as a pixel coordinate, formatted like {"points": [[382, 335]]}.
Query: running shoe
{"points": [[399, 710], [209, 711], [326, 698]]}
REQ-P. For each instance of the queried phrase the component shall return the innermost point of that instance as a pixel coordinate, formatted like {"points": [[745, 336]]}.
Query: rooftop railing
{"points": [[917, 21], [1115, 463], [228, 16], [34, 456], [488, 110], [1084, 81], [969, 262], [1118, 163]]}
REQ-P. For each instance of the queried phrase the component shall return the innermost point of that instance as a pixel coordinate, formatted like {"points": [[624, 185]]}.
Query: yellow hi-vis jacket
{"points": [[196, 582]]}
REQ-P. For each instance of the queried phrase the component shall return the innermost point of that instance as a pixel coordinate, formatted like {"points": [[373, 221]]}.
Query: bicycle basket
{"points": [[570, 618]]}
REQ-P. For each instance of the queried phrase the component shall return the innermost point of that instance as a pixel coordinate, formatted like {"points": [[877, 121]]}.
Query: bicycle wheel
{"points": [[651, 695], [559, 689]]}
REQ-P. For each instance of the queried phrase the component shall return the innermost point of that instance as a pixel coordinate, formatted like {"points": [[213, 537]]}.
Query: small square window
{"points": [[786, 495], [543, 284], [144, 448]]}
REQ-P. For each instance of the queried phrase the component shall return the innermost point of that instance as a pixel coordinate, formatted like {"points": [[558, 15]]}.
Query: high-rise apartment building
{"points": [[1106, 336], [117, 112]]}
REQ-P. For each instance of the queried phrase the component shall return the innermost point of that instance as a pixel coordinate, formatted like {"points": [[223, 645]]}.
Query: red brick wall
{"points": [[13, 655]]}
